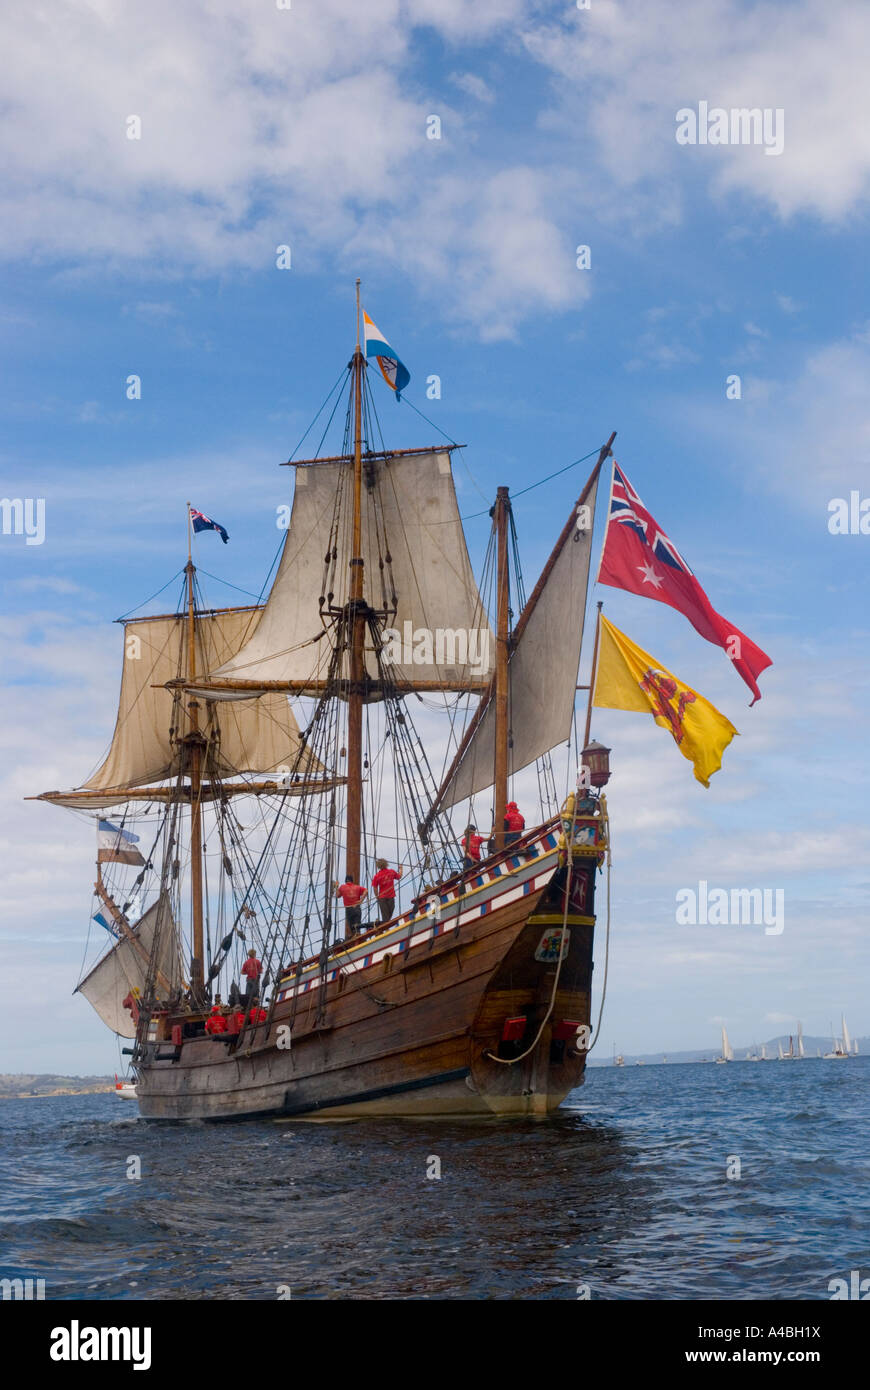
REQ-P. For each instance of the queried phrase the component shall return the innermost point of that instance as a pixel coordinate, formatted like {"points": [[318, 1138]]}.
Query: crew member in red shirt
{"points": [[384, 885], [351, 894], [216, 1023], [251, 971], [471, 843], [256, 1014], [514, 823]]}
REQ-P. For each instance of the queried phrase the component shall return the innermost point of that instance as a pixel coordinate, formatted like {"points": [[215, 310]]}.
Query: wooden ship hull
{"points": [[420, 1017]]}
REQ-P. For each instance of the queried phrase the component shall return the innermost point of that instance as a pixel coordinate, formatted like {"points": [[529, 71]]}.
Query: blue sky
{"points": [[308, 127]]}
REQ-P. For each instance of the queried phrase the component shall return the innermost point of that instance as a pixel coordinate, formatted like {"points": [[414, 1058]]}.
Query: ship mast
{"points": [[194, 741], [500, 779], [356, 631]]}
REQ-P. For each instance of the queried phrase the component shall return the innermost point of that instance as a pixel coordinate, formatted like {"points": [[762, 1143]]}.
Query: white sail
{"points": [[727, 1050], [542, 673], [847, 1041], [257, 736], [801, 1052], [779, 1048], [124, 967], [409, 513], [763, 1053]]}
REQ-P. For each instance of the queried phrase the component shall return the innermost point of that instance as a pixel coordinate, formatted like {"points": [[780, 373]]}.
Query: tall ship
{"points": [[267, 757]]}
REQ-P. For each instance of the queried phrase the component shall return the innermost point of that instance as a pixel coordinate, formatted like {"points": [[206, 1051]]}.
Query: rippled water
{"points": [[626, 1191]]}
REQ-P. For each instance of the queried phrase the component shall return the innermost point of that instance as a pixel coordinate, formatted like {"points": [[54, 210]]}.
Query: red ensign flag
{"points": [[639, 557]]}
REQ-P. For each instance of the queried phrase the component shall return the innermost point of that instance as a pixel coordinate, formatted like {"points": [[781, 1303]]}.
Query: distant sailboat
{"points": [[791, 1055], [727, 1050], [840, 1047], [781, 1053], [764, 1057]]}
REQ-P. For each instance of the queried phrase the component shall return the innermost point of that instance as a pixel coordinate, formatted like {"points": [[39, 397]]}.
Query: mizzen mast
{"points": [[502, 678], [355, 629]]}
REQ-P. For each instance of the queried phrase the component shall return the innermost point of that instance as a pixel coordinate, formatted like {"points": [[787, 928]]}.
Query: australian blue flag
{"points": [[201, 522]]}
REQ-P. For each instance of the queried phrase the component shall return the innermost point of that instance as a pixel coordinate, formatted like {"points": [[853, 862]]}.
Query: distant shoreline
{"points": [[49, 1095]]}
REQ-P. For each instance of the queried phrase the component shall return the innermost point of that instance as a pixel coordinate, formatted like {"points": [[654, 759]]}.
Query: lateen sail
{"points": [[410, 513], [256, 736], [542, 671], [124, 968]]}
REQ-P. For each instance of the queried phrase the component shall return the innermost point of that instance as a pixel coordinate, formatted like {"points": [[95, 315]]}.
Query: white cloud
{"points": [[261, 127], [626, 69], [473, 86], [812, 429]]}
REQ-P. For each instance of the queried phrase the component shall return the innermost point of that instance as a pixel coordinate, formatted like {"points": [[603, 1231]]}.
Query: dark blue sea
{"points": [[626, 1192]]}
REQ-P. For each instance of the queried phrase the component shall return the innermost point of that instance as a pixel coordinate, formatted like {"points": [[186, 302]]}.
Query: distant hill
{"points": [[28, 1085], [707, 1054]]}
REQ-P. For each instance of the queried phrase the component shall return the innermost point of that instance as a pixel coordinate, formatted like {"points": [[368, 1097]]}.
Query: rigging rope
{"points": [[593, 453]]}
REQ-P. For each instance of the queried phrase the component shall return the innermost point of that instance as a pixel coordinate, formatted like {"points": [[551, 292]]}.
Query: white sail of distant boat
{"points": [[763, 1053], [727, 1050], [800, 1051], [854, 1047], [840, 1047], [781, 1054]]}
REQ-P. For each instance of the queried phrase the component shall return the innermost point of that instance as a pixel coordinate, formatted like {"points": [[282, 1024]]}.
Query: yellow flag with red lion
{"points": [[629, 678]]}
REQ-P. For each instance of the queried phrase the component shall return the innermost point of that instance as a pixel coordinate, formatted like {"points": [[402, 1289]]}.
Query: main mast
{"points": [[194, 742], [356, 624]]}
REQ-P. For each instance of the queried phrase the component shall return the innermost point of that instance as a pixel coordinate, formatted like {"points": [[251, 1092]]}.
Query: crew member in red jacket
{"points": [[514, 823], [351, 894], [216, 1023], [384, 885], [251, 970], [471, 843]]}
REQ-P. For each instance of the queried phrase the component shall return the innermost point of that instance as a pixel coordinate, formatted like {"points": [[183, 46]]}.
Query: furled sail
{"points": [[124, 967], [542, 670], [257, 736], [415, 557]]}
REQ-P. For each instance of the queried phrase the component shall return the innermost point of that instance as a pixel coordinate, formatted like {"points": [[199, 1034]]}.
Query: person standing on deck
{"points": [[471, 843], [514, 823], [351, 894], [251, 970], [384, 885]]}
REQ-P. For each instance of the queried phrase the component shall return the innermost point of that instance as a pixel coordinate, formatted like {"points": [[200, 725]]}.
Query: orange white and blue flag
{"points": [[393, 369]]}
